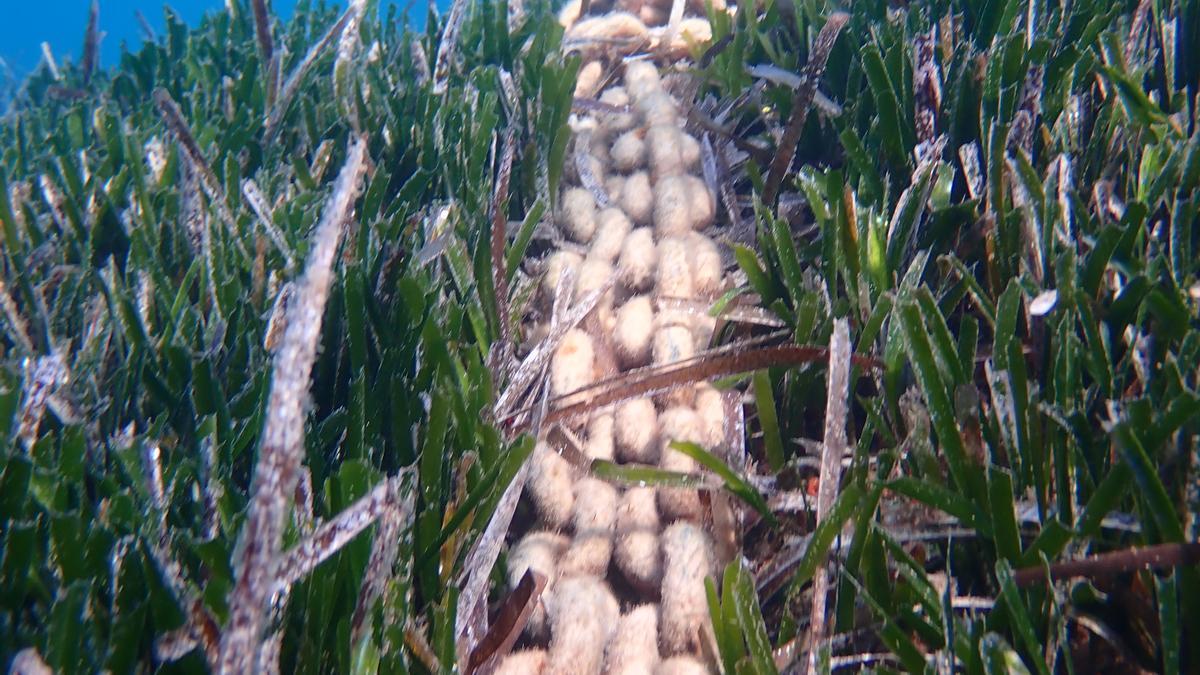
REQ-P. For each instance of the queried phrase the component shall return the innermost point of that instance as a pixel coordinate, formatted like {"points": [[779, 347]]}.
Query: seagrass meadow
{"points": [[276, 356]]}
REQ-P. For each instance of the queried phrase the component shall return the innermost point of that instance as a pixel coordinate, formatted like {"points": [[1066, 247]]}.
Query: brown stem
{"points": [[653, 380], [510, 621], [813, 71], [1161, 556]]}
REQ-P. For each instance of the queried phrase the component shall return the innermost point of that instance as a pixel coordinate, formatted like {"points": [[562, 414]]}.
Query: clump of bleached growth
{"points": [[626, 566], [635, 25]]}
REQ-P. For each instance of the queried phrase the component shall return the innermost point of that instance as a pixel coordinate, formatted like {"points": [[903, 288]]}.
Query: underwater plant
{"points": [[8, 86], [625, 336]]}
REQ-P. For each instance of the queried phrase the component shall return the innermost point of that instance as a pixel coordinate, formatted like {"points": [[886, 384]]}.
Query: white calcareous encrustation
{"points": [[626, 565]]}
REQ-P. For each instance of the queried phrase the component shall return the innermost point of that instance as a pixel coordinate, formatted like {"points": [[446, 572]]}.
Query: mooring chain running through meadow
{"points": [[624, 566]]}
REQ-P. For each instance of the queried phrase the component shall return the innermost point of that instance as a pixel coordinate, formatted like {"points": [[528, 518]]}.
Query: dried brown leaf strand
{"points": [[343, 63], [534, 364], [201, 630], [593, 105], [649, 381], [969, 157], [448, 46], [91, 44], [510, 621], [1159, 557], [802, 101], [500, 236], [18, 328], [143, 23], [927, 92], [173, 118], [262, 31], [258, 204], [292, 84]]}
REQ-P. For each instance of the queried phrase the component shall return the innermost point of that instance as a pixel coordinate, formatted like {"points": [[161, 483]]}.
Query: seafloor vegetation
{"points": [[245, 260], [8, 85]]}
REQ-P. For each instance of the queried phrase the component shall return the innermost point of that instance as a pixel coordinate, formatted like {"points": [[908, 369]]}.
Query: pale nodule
{"points": [[602, 546]]}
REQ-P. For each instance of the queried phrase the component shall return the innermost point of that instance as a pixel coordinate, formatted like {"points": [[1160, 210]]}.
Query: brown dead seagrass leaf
{"points": [[510, 621], [448, 46], [419, 646], [260, 569], [292, 85], [649, 381], [91, 44], [194, 157], [802, 102], [258, 204], [587, 177], [262, 30], [500, 236], [719, 178], [384, 547], [753, 148], [1160, 557], [333, 535], [714, 50], [569, 446], [927, 92]]}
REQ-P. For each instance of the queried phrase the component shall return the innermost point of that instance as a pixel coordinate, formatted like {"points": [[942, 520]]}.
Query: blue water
{"points": [[25, 24]]}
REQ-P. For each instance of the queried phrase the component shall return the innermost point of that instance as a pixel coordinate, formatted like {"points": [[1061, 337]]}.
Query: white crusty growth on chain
{"points": [[626, 566]]}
